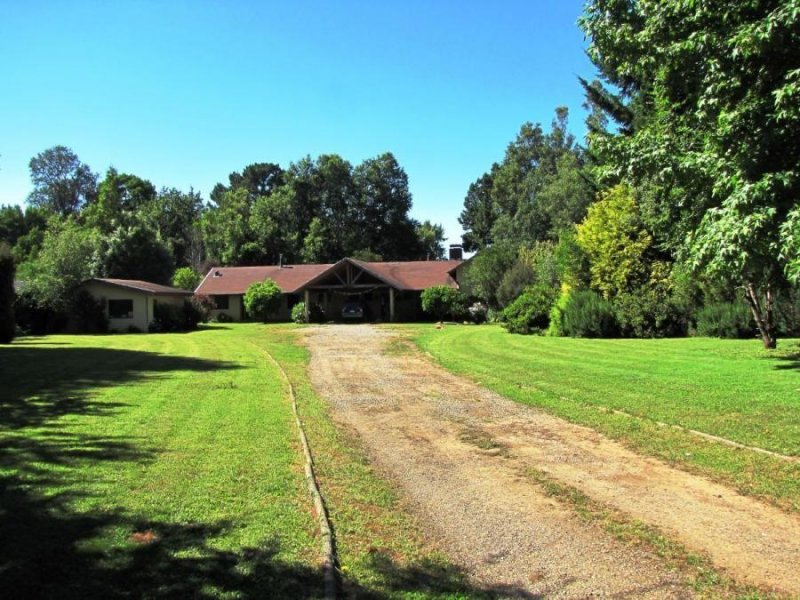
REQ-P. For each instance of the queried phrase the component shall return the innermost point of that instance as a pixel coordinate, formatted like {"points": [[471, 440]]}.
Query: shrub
{"points": [[441, 301], [478, 312], [224, 318], [89, 313], [556, 326], [586, 314], [648, 312], [725, 320], [299, 313], [262, 299], [204, 305], [530, 311], [8, 327], [787, 313], [520, 276], [185, 278], [168, 318], [134, 329]]}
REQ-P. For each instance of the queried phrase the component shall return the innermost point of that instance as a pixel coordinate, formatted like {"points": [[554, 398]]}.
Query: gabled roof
{"points": [[236, 280], [412, 275], [407, 275], [153, 289]]}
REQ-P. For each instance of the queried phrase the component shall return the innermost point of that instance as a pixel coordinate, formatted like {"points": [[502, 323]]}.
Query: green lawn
{"points": [[168, 466], [732, 389]]}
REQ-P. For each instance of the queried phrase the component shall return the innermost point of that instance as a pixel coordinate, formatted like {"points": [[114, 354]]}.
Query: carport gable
{"points": [[350, 275]]}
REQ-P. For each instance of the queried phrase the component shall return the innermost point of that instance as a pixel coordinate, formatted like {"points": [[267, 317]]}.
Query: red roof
{"points": [[409, 275], [412, 275], [144, 286], [236, 280]]}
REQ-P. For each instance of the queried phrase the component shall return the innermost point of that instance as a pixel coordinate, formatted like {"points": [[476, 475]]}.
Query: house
{"points": [[388, 291], [130, 303]]}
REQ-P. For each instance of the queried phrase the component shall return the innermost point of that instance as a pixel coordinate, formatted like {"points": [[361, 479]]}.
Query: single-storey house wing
{"points": [[130, 303], [388, 291]]}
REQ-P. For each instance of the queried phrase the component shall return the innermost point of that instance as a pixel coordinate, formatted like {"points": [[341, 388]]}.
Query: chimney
{"points": [[456, 252]]}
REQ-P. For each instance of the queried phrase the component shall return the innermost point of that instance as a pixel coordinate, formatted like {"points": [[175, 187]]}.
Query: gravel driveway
{"points": [[459, 455]]}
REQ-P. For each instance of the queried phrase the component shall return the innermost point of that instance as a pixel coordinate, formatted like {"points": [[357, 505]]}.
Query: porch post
{"points": [[306, 300], [391, 304]]}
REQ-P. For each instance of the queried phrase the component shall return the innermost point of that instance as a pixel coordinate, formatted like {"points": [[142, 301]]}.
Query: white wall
{"points": [[143, 304]]}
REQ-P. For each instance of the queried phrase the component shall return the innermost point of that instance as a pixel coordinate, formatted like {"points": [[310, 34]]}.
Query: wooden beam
{"points": [[306, 307], [391, 305]]}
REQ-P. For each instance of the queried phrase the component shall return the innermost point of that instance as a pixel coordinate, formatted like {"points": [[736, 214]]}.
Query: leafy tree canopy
{"points": [[61, 182], [713, 90]]}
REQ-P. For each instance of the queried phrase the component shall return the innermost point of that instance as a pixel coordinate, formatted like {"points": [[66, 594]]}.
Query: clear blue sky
{"points": [[182, 93]]}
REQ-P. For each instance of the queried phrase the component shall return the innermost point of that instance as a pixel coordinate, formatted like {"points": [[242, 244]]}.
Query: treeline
{"points": [[681, 211], [77, 226]]}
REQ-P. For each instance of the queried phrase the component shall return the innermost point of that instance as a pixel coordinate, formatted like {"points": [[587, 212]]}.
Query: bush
{"points": [[530, 311], [8, 327], [520, 276], [262, 299], [732, 320], [787, 313], [442, 301], [299, 313], [586, 314], [168, 318], [478, 312], [89, 313], [223, 318], [647, 313], [556, 326], [203, 305]]}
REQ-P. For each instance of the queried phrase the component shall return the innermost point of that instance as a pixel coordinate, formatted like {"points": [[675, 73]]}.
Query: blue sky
{"points": [[182, 93]]}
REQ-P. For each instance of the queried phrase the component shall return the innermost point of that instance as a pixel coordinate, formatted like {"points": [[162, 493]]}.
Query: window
{"points": [[221, 302], [120, 309]]}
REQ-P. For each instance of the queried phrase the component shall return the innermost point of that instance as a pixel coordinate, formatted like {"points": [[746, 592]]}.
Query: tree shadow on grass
{"points": [[788, 362], [53, 546]]}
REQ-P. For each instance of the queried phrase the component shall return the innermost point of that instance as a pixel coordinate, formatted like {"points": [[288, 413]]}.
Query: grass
{"points": [[727, 388], [149, 465], [168, 466]]}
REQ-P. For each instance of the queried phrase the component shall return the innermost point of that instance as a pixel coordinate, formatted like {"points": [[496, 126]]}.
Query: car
{"points": [[352, 310]]}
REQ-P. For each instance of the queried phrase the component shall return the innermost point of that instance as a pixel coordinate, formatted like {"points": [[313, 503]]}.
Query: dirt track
{"points": [[424, 428]]}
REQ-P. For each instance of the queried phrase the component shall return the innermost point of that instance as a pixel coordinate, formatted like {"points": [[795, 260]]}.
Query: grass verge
{"points": [[731, 389]]}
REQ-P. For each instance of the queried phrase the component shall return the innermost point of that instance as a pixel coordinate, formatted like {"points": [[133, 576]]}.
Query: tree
{"points": [[12, 224], [262, 299], [259, 179], [64, 261], [442, 301], [383, 200], [134, 252], [7, 269], [274, 226], [485, 271], [186, 278], [715, 141], [119, 196], [615, 241], [174, 214], [431, 240], [479, 214], [61, 182]]}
